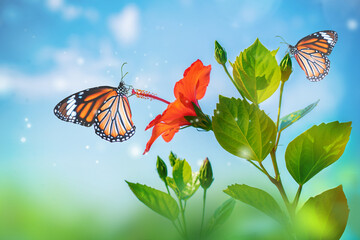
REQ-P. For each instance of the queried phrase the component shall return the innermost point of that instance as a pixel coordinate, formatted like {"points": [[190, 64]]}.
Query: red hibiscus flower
{"points": [[185, 110]]}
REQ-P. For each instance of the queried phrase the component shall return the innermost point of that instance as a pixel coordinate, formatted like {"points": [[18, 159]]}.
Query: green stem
{"points": [[167, 188], [183, 218], [255, 165], [275, 165], [278, 183], [203, 213], [278, 116], [297, 197], [179, 229], [227, 72], [267, 173]]}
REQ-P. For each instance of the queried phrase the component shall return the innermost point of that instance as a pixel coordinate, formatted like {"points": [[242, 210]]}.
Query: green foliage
{"points": [[158, 201], [291, 118], [257, 198], [324, 216], [182, 174], [221, 214], [256, 72], [186, 182], [274, 52], [315, 149], [243, 129]]}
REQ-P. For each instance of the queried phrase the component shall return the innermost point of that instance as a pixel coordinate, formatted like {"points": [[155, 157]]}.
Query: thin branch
{"points": [[232, 80]]}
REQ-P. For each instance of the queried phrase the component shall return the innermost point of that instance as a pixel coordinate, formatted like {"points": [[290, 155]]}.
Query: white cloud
{"points": [[125, 25], [352, 24], [54, 4], [71, 12], [251, 11], [73, 71]]}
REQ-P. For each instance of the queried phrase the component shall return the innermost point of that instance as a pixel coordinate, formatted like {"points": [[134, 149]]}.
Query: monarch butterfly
{"points": [[106, 107], [311, 53]]}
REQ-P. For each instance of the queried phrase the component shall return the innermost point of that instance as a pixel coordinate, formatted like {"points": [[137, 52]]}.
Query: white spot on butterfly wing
{"points": [[71, 110]]}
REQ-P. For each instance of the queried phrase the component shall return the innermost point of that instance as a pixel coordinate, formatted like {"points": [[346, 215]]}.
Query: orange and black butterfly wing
{"points": [[311, 53], [113, 120], [81, 107], [315, 64], [322, 41]]}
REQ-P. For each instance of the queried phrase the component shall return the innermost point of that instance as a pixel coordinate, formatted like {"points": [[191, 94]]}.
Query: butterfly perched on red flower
{"points": [[107, 108], [311, 53]]}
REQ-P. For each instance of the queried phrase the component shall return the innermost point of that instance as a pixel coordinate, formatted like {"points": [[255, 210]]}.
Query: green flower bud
{"points": [[206, 174], [172, 159], [161, 168], [285, 68], [220, 54]]}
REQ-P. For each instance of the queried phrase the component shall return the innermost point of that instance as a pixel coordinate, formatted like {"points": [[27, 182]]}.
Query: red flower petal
{"points": [[188, 90]]}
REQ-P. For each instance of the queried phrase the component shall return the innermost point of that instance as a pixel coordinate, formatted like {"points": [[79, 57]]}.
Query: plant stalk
{"points": [[278, 116], [179, 229], [233, 81], [203, 213], [297, 197], [256, 166], [183, 218]]}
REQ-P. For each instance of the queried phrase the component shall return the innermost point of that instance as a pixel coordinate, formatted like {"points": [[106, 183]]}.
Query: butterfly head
{"points": [[292, 50], [123, 88]]}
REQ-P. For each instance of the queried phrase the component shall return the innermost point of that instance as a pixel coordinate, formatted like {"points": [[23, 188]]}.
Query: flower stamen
{"points": [[147, 95]]}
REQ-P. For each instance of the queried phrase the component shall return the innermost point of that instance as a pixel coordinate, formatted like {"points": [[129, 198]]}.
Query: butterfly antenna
{"points": [[122, 75], [283, 40]]}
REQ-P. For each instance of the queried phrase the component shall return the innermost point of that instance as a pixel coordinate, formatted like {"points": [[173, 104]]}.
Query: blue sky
{"points": [[53, 48]]}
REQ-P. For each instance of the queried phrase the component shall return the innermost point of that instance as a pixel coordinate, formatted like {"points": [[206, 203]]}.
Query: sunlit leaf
{"points": [[187, 182], [256, 72], [171, 183], [158, 201], [315, 149], [289, 119], [324, 216], [274, 52], [257, 198], [182, 174], [191, 187], [222, 213], [243, 129]]}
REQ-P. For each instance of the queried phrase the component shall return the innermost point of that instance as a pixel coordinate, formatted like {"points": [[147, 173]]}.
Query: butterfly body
{"points": [[311, 53], [107, 108]]}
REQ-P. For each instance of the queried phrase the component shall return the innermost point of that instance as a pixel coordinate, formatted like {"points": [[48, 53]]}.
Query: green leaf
{"points": [[324, 216], [222, 213], [256, 72], [315, 149], [257, 198], [171, 183], [289, 119], [182, 174], [158, 201], [274, 52], [191, 187], [186, 181], [243, 129]]}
